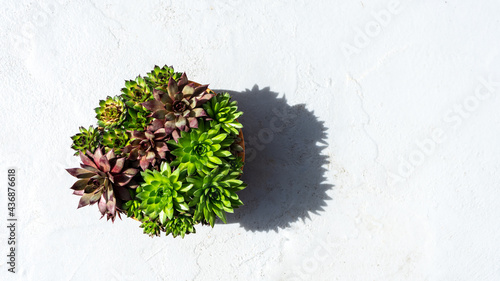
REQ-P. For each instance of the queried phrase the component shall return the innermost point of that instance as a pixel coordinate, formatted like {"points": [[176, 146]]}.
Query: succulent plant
{"points": [[87, 139], [136, 120], [135, 93], [224, 111], [148, 146], [214, 194], [182, 138], [111, 112], [115, 139], [102, 179], [159, 77], [180, 225], [179, 106], [151, 227], [236, 164], [133, 209], [200, 149], [163, 193]]}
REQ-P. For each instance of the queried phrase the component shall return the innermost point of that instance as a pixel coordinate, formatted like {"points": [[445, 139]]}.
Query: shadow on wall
{"points": [[284, 168]]}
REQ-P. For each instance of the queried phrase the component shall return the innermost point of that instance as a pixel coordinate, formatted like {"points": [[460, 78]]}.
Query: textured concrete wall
{"points": [[372, 133]]}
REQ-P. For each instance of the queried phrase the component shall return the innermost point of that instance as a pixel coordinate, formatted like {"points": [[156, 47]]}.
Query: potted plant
{"points": [[167, 152]]}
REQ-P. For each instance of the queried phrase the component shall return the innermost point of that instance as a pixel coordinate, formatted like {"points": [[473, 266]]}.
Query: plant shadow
{"points": [[284, 166]]}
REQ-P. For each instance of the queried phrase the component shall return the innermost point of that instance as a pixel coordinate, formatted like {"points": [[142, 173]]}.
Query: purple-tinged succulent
{"points": [[179, 106], [148, 147], [103, 179]]}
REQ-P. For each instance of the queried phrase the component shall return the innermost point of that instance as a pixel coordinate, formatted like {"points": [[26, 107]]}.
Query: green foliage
{"points": [[87, 139], [223, 111], [214, 194], [200, 149], [161, 202]]}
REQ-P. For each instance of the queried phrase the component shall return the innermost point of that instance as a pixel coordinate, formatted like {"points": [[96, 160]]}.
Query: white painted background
{"points": [[406, 186]]}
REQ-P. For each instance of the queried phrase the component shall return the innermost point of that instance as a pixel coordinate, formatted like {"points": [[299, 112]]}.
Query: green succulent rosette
{"points": [[87, 139], [223, 111], [111, 112], [214, 194], [200, 149], [115, 139], [163, 193], [135, 93], [158, 77]]}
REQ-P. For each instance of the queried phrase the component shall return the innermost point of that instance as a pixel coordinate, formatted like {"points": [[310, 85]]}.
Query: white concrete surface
{"points": [[404, 187]]}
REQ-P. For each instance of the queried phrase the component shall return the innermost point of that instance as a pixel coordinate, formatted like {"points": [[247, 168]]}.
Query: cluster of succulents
{"points": [[166, 152]]}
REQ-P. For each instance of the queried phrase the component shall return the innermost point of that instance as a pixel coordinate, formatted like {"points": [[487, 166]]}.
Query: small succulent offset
{"points": [[87, 139], [167, 152], [159, 77], [115, 139], [134, 94], [180, 225]]}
